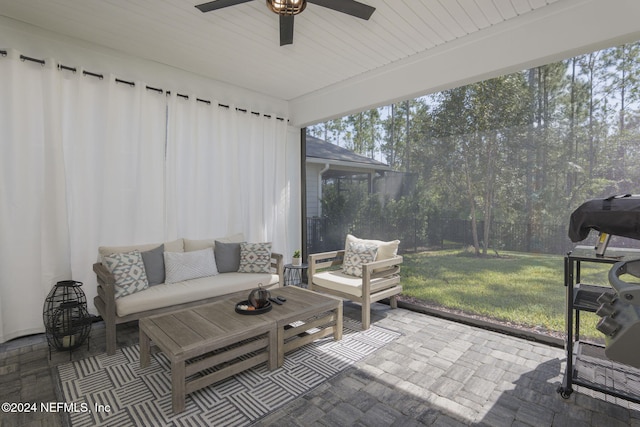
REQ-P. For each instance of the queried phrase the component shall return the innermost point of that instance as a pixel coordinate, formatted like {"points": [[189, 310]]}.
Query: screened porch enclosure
{"points": [[106, 121]]}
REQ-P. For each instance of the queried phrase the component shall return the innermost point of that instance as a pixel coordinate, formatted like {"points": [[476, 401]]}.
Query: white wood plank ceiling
{"points": [[335, 57], [239, 44]]}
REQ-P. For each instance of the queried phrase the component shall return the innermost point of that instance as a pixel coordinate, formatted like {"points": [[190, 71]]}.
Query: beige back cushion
{"points": [[386, 250], [173, 246], [196, 245], [178, 245]]}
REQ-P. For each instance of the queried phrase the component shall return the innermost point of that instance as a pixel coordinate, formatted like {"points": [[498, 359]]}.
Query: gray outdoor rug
{"points": [[142, 397]]}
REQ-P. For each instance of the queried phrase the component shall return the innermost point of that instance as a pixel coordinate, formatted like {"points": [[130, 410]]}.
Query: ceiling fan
{"points": [[286, 9]]}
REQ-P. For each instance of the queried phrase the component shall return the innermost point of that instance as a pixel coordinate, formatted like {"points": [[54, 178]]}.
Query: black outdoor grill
{"points": [[612, 368], [615, 215]]}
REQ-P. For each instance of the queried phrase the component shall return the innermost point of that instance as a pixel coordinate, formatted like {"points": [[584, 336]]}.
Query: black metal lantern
{"points": [[259, 297], [66, 319]]}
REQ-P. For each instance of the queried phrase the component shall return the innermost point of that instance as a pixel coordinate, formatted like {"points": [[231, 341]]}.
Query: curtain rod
{"points": [[132, 84]]}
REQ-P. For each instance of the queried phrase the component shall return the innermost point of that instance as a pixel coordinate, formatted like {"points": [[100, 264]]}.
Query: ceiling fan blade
{"points": [[350, 7], [286, 29], [218, 4]]}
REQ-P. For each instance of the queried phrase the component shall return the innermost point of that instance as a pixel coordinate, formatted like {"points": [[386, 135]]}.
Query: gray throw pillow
{"points": [[227, 256], [154, 265]]}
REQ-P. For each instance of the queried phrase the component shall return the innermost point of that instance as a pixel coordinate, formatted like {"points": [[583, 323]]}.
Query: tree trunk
{"points": [[529, 163], [407, 146], [489, 190], [472, 207]]}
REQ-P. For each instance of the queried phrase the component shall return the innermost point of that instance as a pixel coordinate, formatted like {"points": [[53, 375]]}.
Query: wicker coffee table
{"points": [[214, 335]]}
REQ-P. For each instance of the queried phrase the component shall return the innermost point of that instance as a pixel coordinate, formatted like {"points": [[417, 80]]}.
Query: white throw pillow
{"points": [[128, 270], [181, 266], [356, 255]]}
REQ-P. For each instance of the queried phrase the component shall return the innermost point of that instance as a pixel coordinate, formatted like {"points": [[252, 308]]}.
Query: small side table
{"points": [[293, 274]]}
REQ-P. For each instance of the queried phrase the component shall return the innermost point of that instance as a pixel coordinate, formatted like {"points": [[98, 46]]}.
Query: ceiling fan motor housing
{"points": [[287, 7]]}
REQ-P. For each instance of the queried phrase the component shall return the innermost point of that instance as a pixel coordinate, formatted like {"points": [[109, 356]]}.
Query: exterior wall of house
{"points": [[314, 207]]}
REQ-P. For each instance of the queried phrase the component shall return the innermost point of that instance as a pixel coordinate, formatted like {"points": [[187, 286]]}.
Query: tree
{"points": [[522, 148], [364, 133], [623, 63], [473, 121], [330, 131]]}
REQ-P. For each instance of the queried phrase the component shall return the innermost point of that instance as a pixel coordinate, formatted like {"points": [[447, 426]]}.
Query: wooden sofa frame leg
{"points": [[107, 312], [105, 304], [110, 336]]}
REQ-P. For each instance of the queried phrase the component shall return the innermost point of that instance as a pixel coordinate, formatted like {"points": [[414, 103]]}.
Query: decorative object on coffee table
{"points": [[257, 303], [245, 307], [259, 298], [66, 319]]}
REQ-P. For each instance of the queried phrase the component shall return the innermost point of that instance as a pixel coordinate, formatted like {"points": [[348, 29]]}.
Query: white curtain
{"points": [[225, 172], [114, 142], [34, 250], [90, 161], [266, 140]]}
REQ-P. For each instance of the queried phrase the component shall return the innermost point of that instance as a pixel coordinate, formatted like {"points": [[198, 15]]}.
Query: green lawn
{"points": [[523, 289]]}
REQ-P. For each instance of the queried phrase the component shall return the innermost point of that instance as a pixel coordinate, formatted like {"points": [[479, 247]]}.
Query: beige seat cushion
{"points": [[165, 295], [338, 281]]}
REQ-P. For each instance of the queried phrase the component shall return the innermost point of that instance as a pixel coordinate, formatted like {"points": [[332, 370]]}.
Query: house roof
{"points": [[323, 152], [337, 64]]}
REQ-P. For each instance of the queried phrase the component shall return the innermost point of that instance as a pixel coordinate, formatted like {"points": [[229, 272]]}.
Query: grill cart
{"points": [[612, 368]]}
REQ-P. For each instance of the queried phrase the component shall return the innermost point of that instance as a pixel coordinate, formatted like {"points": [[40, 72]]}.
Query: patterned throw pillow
{"points": [[128, 270], [255, 258], [356, 255], [181, 266]]}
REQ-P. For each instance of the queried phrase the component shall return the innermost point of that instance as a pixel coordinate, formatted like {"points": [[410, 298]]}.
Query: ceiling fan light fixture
{"points": [[287, 7]]}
